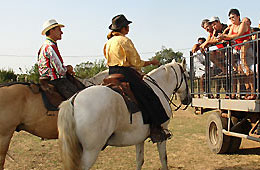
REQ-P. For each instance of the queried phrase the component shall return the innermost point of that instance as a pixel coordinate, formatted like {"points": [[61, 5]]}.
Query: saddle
{"points": [[117, 83], [50, 96]]}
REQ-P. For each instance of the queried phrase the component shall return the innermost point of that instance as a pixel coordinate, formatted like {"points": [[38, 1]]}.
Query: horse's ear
{"points": [[165, 68], [167, 71], [173, 61], [183, 64]]}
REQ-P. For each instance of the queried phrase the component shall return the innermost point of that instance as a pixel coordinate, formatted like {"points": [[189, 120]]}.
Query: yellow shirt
{"points": [[119, 50]]}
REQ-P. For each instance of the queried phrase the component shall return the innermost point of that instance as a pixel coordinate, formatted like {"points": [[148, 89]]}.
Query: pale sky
{"points": [[171, 23]]}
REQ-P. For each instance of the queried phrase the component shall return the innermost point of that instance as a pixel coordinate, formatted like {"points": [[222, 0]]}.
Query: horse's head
{"points": [[182, 88]]}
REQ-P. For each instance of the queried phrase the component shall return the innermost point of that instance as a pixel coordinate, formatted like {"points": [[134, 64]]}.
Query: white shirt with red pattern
{"points": [[50, 61]]}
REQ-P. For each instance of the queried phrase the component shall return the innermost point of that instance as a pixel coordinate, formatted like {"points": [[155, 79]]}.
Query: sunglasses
{"points": [[232, 17]]}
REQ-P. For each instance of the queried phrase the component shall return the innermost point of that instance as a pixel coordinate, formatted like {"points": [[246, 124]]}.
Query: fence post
{"points": [[229, 70], [192, 73], [258, 65]]}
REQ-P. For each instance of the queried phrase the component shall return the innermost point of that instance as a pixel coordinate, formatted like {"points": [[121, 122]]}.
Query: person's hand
{"points": [[70, 70], [203, 46], [195, 48], [220, 37], [155, 62], [202, 50]]}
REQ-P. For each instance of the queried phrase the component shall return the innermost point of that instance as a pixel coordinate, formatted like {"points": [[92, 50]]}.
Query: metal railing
{"points": [[223, 73]]}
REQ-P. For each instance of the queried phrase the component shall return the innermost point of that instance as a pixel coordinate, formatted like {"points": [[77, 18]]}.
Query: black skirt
{"points": [[149, 103]]}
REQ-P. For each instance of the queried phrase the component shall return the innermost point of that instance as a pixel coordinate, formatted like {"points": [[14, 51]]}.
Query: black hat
{"points": [[119, 22]]}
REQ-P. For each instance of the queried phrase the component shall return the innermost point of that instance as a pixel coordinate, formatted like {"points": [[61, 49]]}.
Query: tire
{"points": [[217, 141]]}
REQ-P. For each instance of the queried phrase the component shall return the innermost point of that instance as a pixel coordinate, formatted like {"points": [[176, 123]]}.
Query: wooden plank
{"points": [[240, 105], [227, 104], [205, 103]]}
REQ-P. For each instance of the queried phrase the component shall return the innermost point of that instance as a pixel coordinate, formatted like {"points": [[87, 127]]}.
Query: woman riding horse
{"points": [[123, 58]]}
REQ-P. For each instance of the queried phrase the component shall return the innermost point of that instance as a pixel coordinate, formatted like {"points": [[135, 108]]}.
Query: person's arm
{"points": [[134, 58], [242, 29], [205, 44], [195, 48], [210, 41], [226, 31]]}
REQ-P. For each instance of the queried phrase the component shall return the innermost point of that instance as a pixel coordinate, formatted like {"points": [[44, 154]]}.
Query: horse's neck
{"points": [[165, 85], [164, 80]]}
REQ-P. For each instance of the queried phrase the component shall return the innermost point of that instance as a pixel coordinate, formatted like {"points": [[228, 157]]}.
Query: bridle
{"points": [[178, 85]]}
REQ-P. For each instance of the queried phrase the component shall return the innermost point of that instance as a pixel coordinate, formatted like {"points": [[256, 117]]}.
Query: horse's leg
{"points": [[88, 158], [139, 155], [161, 146], [4, 144]]}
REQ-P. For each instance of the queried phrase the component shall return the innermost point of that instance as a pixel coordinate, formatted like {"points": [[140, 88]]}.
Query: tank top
{"points": [[241, 40], [221, 45]]}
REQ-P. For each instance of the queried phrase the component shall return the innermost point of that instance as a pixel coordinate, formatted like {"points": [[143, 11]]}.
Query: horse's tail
{"points": [[71, 149]]}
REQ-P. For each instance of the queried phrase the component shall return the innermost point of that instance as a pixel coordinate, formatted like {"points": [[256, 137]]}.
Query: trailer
{"points": [[222, 85]]}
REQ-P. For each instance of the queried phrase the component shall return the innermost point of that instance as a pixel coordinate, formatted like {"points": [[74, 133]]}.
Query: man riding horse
{"points": [[123, 58], [51, 67]]}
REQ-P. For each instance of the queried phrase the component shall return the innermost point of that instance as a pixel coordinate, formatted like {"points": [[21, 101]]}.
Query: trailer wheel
{"points": [[217, 141]]}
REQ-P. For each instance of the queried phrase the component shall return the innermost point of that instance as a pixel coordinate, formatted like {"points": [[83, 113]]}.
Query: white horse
{"points": [[98, 116]]}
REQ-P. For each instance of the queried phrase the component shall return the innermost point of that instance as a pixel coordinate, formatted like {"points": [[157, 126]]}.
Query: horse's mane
{"points": [[13, 83]]}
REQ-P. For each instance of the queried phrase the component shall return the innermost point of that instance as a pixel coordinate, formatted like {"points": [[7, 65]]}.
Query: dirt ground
{"points": [[187, 150]]}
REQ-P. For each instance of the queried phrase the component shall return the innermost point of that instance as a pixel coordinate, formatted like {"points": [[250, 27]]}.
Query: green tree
{"points": [[33, 74], [7, 75], [89, 69], [164, 56], [30, 75]]}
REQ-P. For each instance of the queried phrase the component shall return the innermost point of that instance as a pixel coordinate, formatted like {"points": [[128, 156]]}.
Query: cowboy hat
{"points": [[119, 22], [49, 24]]}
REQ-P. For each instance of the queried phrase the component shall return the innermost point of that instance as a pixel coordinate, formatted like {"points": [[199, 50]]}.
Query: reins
{"points": [[169, 100], [178, 85]]}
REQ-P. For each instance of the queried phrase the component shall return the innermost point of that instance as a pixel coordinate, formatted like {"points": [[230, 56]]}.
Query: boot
{"points": [[158, 134]]}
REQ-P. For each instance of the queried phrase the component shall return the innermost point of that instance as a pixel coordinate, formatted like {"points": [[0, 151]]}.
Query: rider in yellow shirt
{"points": [[123, 58], [121, 52]]}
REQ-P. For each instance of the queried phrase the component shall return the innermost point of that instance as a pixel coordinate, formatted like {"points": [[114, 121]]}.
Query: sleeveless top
{"points": [[241, 40]]}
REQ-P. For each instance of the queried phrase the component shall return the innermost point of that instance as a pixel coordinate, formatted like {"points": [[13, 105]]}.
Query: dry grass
{"points": [[187, 150]]}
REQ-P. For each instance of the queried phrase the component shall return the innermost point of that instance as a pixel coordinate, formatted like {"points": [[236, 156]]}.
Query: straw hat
{"points": [[49, 24]]}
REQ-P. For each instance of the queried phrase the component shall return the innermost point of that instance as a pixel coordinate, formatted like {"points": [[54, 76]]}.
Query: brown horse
{"points": [[21, 109]]}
